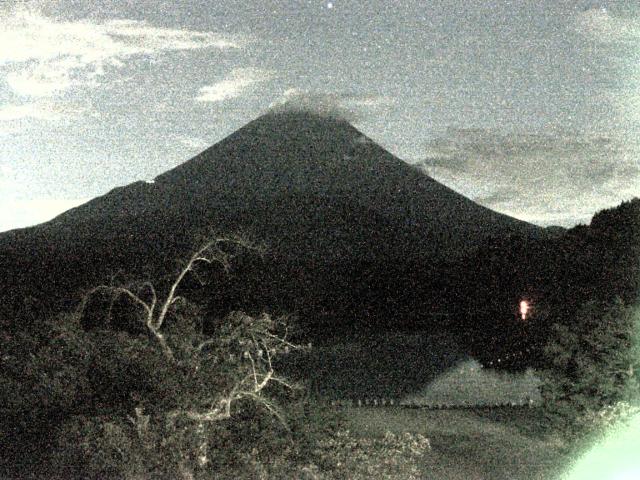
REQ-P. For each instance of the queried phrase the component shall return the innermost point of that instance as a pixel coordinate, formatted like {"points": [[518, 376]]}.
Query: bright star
{"points": [[330, 5]]}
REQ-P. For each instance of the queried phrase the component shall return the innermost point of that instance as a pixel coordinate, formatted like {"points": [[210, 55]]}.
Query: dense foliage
{"points": [[557, 275], [101, 403], [126, 388], [167, 399], [593, 363]]}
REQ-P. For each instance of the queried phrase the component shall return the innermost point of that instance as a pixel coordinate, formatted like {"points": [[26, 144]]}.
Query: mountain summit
{"points": [[321, 195], [303, 172]]}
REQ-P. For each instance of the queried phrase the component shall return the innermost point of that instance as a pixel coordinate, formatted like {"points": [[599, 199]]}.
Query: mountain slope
{"points": [[316, 190]]}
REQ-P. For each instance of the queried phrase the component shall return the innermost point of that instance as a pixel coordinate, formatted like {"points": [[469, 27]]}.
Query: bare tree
{"points": [[235, 364], [154, 312]]}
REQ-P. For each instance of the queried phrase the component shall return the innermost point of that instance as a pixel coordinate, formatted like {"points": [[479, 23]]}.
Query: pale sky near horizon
{"points": [[530, 108]]}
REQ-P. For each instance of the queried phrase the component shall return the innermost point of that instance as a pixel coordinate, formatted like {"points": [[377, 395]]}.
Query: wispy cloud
{"points": [[549, 178], [193, 143], [233, 85], [352, 107], [42, 56], [17, 112], [600, 25], [613, 40], [39, 110]]}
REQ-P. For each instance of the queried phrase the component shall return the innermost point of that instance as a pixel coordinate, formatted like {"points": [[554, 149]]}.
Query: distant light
{"points": [[524, 308], [330, 5]]}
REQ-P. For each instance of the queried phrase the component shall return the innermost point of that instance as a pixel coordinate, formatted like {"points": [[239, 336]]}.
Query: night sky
{"points": [[531, 108]]}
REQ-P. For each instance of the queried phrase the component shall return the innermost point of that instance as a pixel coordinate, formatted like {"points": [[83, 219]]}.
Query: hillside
{"points": [[332, 207]]}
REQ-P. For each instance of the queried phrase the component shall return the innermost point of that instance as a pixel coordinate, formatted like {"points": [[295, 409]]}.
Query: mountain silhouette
{"points": [[335, 210]]}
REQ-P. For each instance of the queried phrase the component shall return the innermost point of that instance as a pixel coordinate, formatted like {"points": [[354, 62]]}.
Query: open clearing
{"points": [[469, 444]]}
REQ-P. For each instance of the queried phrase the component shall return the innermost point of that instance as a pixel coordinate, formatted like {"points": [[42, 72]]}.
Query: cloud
{"points": [[601, 25], [47, 78], [39, 110], [350, 107], [7, 174], [17, 112], [550, 178], [233, 85], [41, 56], [613, 42], [193, 143]]}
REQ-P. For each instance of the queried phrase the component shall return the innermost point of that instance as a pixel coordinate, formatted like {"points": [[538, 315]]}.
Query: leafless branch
{"points": [[209, 253], [253, 369], [254, 332], [198, 277], [115, 293], [283, 341], [286, 383], [205, 343], [178, 299], [202, 259]]}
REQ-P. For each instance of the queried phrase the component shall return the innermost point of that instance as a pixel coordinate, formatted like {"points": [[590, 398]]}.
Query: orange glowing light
{"points": [[524, 308]]}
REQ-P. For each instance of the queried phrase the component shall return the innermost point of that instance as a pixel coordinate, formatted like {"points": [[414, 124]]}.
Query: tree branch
{"points": [[203, 344], [198, 256], [116, 292]]}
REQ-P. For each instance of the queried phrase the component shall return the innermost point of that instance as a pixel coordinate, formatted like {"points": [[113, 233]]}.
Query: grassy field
{"points": [[419, 368], [414, 443], [464, 444]]}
